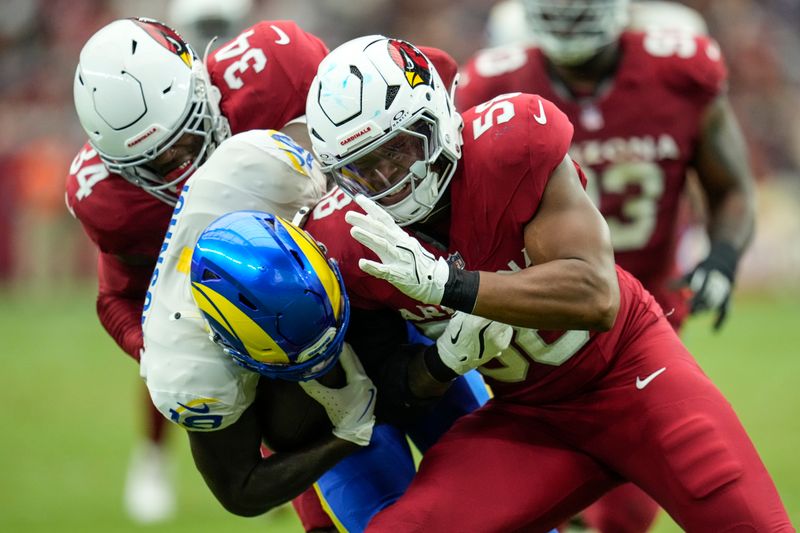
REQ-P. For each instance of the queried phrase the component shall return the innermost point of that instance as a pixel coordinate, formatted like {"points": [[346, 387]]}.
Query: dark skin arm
{"points": [[572, 283], [406, 386], [247, 484], [725, 176]]}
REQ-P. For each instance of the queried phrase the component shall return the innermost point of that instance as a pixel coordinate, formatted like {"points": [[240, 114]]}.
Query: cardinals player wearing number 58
{"points": [[594, 387]]}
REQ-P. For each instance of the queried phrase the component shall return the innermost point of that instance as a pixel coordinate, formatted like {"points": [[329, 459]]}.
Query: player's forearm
{"points": [[725, 176], [732, 219], [282, 476], [560, 294], [428, 377]]}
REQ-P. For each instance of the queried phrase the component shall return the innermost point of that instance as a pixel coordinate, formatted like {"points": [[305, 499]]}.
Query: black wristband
{"points": [[461, 289], [440, 371], [723, 257]]}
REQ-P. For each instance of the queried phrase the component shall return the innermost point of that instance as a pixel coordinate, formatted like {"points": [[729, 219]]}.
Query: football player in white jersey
{"points": [[192, 381], [204, 279]]}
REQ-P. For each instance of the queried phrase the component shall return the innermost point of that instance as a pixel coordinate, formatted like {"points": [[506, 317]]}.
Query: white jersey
{"points": [[191, 381]]}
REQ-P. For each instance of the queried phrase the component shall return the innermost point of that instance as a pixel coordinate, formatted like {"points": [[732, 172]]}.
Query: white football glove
{"points": [[350, 409], [470, 341], [404, 262]]}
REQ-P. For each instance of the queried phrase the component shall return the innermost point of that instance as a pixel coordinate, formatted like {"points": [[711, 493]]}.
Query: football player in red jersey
{"points": [[153, 112], [595, 387], [647, 107]]}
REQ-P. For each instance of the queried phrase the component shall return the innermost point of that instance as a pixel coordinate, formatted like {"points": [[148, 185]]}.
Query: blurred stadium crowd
{"points": [[42, 247]]}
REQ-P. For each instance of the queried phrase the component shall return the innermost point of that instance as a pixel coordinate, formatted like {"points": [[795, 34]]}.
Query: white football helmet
{"points": [[570, 32], [507, 24], [138, 89], [661, 15], [383, 124]]}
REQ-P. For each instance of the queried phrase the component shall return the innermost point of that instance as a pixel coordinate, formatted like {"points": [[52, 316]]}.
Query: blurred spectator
{"points": [[200, 21], [761, 43], [45, 245]]}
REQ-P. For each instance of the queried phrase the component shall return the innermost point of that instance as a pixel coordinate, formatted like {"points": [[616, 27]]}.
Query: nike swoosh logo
{"points": [[541, 118], [282, 37], [642, 383], [197, 409], [371, 399], [481, 343], [453, 339]]}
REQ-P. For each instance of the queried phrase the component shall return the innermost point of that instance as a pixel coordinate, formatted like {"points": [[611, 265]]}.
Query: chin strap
{"points": [[222, 128]]}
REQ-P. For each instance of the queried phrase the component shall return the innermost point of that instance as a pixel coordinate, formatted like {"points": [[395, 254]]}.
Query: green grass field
{"points": [[72, 413]]}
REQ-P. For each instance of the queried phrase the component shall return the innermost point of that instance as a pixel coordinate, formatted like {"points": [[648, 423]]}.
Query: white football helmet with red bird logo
{"points": [[383, 124], [138, 89]]}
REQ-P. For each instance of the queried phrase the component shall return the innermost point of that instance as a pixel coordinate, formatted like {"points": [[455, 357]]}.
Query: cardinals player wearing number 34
{"points": [[594, 388]]}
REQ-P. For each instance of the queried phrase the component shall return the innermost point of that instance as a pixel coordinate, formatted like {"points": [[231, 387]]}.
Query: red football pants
{"points": [[512, 467], [625, 509]]}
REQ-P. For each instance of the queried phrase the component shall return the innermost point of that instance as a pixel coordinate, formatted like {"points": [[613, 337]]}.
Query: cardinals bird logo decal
{"points": [[410, 60], [166, 37]]}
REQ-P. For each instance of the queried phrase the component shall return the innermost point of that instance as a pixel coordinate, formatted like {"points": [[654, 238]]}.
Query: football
{"points": [[289, 418]]}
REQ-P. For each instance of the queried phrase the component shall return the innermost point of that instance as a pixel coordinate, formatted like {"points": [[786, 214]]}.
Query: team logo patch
{"points": [[167, 37], [412, 61], [197, 414], [456, 260], [300, 159]]}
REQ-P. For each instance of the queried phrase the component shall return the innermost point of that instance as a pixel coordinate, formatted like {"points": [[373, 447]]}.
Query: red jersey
{"points": [[512, 144], [635, 141], [263, 76]]}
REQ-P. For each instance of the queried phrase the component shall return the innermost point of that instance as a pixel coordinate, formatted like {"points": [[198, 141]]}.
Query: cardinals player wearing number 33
{"points": [[594, 388]]}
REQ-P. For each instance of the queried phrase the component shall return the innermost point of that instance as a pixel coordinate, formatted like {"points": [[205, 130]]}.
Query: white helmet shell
{"points": [[371, 90], [661, 15], [138, 88], [570, 32]]}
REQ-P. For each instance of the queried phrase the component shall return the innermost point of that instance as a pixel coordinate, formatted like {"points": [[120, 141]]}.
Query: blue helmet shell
{"points": [[270, 296]]}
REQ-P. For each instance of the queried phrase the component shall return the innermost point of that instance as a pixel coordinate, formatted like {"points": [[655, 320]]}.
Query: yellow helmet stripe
{"points": [[257, 342], [319, 263]]}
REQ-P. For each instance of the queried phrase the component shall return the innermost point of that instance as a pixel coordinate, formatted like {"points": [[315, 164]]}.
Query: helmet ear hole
{"points": [[209, 275], [297, 258], [247, 302]]}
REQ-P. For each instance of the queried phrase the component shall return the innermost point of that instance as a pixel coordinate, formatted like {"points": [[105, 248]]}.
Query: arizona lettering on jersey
{"points": [[635, 141]]}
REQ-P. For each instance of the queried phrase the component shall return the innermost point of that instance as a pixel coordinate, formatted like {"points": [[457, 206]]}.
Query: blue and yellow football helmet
{"points": [[270, 296]]}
